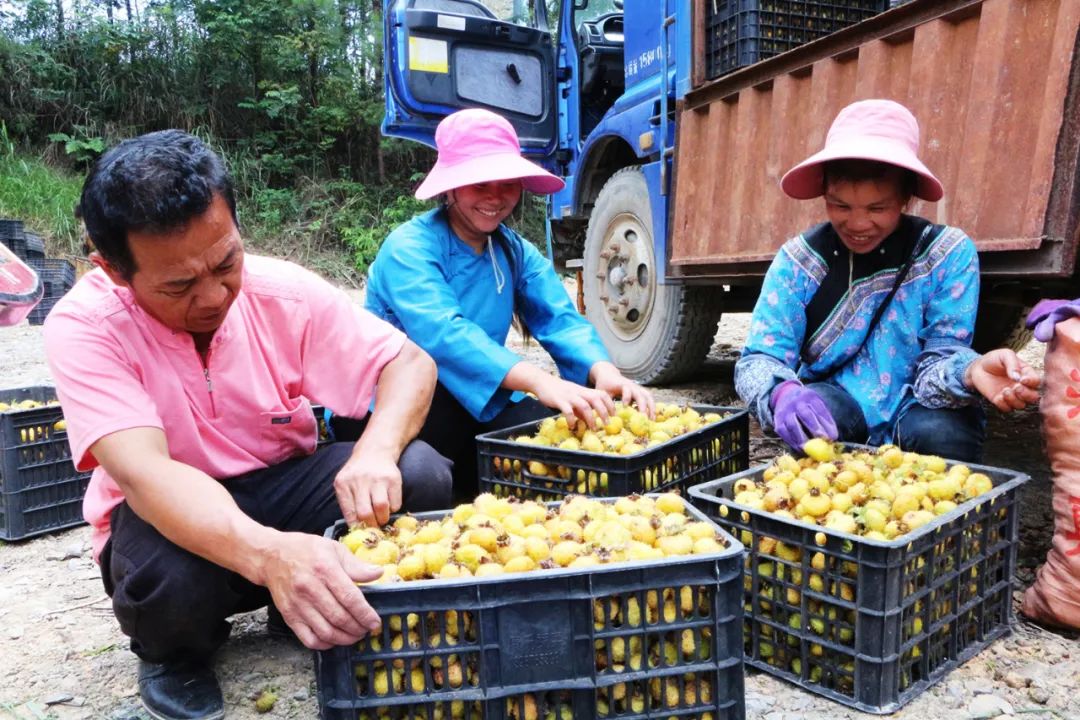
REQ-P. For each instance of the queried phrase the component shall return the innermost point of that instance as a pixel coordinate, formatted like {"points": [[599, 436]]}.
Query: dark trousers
{"points": [[174, 604], [452, 431], [954, 433]]}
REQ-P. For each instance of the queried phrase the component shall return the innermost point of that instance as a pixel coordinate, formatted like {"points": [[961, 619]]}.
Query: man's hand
{"points": [[368, 488], [313, 583], [606, 377], [1004, 379]]}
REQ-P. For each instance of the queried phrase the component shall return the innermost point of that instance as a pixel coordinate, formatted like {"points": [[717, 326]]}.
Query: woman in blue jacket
{"points": [[454, 278]]}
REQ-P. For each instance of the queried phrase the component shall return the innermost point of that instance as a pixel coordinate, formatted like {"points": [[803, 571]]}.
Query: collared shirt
{"points": [[289, 338], [917, 353], [446, 297]]}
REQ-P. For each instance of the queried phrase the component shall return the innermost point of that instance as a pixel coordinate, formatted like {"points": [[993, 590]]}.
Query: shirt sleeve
{"points": [[100, 390], [471, 365], [344, 349], [777, 330], [546, 309], [950, 326]]}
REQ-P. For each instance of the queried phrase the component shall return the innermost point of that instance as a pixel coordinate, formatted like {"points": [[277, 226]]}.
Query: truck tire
{"points": [[1000, 325], [654, 333]]}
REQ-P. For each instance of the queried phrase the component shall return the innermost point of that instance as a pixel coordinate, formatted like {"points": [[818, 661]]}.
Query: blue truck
{"points": [[672, 120]]}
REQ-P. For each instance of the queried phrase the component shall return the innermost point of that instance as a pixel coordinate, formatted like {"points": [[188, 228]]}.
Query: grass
{"points": [[42, 197]]}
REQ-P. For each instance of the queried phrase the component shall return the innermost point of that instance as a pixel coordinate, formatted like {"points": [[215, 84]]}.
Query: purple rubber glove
{"points": [[1048, 313], [799, 414]]}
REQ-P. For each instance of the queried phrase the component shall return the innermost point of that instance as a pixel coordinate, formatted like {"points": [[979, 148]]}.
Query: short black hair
{"points": [[155, 182], [855, 170]]}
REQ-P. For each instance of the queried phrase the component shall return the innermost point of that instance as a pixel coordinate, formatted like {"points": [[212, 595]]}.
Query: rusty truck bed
{"points": [[994, 84]]}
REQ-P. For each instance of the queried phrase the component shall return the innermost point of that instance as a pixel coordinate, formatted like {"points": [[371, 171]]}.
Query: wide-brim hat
{"points": [[478, 146], [879, 130]]}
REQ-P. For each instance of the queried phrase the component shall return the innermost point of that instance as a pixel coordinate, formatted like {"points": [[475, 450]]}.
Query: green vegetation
{"points": [[42, 196], [289, 91]]}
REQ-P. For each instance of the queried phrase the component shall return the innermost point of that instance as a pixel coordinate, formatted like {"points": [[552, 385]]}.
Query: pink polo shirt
{"points": [[289, 337]]}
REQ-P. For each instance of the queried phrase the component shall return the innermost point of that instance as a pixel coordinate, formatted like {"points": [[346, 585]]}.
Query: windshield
{"points": [[519, 12], [586, 10]]}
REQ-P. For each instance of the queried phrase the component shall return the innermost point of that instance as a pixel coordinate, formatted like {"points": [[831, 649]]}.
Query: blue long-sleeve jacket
{"points": [[454, 304]]}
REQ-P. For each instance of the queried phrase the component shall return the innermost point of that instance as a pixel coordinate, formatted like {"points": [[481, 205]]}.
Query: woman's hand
{"points": [[605, 376], [573, 400], [1004, 379]]}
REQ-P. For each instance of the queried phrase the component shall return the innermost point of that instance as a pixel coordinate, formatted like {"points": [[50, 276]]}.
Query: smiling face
{"points": [[187, 278], [865, 212], [475, 211]]}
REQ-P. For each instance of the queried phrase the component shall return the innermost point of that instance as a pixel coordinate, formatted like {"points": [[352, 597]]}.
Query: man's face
{"points": [[188, 278]]}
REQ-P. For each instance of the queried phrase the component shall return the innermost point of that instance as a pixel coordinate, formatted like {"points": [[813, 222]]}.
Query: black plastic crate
{"points": [[58, 276], [509, 468], [10, 230], [43, 509], [742, 32], [873, 624], [42, 309], [523, 645], [39, 487]]}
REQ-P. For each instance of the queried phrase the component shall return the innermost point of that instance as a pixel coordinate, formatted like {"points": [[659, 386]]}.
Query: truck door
{"points": [[445, 55]]}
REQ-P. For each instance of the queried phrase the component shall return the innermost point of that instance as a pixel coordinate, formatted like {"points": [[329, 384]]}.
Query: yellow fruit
{"points": [[489, 568], [523, 563], [816, 503], [675, 545], [411, 566], [707, 545], [819, 449], [566, 551], [977, 484], [670, 503]]}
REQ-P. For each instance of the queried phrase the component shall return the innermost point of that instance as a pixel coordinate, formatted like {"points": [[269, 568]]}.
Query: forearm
{"points": [[163, 493], [524, 377], [402, 399], [941, 377], [756, 375]]}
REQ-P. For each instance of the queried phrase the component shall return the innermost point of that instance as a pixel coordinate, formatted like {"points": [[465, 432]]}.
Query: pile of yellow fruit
{"points": [[492, 536], [879, 495], [25, 405], [627, 432]]}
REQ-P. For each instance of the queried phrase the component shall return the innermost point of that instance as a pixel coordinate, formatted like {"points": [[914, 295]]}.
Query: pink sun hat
{"points": [[880, 130], [477, 146]]}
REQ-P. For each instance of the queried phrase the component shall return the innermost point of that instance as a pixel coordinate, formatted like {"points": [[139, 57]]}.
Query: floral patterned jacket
{"points": [[917, 353]]}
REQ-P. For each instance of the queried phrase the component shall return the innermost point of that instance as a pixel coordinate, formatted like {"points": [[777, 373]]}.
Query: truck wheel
{"points": [[1000, 325], [654, 333]]}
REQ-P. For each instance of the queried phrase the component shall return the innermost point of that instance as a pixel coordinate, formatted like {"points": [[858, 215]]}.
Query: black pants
{"points": [[452, 431], [954, 433], [173, 604]]}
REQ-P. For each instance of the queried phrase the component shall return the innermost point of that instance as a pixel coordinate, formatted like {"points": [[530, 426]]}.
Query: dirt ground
{"points": [[64, 657]]}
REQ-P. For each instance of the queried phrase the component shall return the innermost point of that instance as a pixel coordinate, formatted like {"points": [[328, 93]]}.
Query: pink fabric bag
{"points": [[1055, 597]]}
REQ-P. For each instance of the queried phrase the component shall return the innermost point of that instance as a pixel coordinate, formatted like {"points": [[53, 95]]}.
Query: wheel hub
{"points": [[625, 272]]}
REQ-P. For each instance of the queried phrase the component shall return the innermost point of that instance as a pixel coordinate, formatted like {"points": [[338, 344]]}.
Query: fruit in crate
{"points": [[880, 495], [437, 650], [626, 432], [494, 536], [808, 592]]}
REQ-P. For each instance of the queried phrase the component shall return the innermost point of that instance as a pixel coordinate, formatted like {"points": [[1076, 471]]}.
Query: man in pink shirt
{"points": [[185, 369]]}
